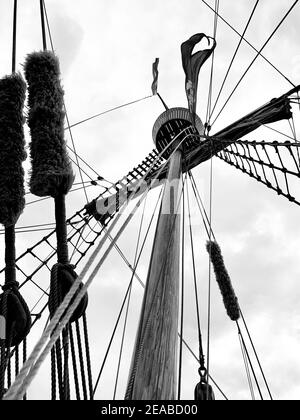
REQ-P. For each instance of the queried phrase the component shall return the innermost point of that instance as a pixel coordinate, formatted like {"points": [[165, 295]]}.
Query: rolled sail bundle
{"points": [[51, 172], [12, 148], [229, 298], [13, 308]]}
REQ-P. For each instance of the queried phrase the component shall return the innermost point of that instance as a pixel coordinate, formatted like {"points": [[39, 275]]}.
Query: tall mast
{"points": [[154, 366]]}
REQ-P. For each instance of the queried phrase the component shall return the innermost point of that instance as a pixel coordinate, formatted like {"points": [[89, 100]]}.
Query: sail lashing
{"points": [[52, 174], [223, 279], [14, 313]]}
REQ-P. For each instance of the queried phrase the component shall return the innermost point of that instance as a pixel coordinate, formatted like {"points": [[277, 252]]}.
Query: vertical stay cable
{"points": [[217, 6], [209, 269], [249, 360], [196, 358], [201, 354], [233, 58], [43, 7], [145, 319], [182, 291], [14, 43], [246, 368], [209, 102], [255, 58], [201, 206], [129, 299], [126, 294], [250, 45], [256, 355], [48, 26], [43, 25]]}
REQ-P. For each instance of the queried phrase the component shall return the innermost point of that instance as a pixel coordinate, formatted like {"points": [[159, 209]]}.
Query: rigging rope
{"points": [[201, 353], [14, 312], [208, 127], [73, 190], [233, 58], [249, 360], [250, 338], [25, 376], [247, 157], [43, 25], [59, 320], [249, 379], [109, 110], [200, 205], [43, 7], [255, 58], [182, 291], [209, 102], [14, 42], [70, 132], [209, 271], [250, 45], [256, 355], [128, 301], [198, 360], [144, 322], [129, 286]]}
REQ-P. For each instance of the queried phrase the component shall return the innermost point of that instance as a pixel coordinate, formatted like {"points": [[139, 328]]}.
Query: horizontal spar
{"points": [[276, 110]]}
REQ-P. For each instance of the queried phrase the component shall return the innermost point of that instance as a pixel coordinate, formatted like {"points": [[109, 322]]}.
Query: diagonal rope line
{"points": [[52, 47], [249, 379], [209, 271], [65, 310], [201, 353], [233, 58], [244, 321], [43, 8], [249, 360], [255, 58], [250, 45], [107, 111], [264, 168], [209, 102], [182, 290], [144, 320], [256, 355], [129, 300], [73, 190], [14, 41], [131, 280], [201, 207], [198, 360]]}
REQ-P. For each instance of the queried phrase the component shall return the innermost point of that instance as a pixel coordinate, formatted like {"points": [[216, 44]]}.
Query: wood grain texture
{"points": [[155, 359]]}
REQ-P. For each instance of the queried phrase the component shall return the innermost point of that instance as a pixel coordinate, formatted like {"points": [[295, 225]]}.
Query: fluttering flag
{"points": [[192, 64], [155, 76]]}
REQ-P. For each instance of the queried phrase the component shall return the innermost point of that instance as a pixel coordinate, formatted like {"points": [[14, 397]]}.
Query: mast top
{"points": [[177, 122]]}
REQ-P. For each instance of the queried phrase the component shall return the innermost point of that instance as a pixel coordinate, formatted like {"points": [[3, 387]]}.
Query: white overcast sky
{"points": [[106, 50]]}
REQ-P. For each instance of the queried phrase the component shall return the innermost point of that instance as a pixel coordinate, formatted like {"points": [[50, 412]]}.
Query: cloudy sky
{"points": [[106, 50]]}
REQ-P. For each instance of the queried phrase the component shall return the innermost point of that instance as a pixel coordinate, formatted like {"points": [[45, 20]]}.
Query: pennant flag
{"points": [[192, 64], [155, 76]]}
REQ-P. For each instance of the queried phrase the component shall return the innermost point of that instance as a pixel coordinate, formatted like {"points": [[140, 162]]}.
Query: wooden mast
{"points": [[154, 369], [155, 364]]}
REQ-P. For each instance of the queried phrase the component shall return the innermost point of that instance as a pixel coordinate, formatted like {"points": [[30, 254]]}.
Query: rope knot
{"points": [[62, 278], [10, 285], [16, 313], [203, 374]]}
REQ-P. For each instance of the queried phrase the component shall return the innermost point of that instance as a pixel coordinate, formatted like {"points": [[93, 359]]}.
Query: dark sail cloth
{"points": [[155, 76], [192, 64]]}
